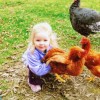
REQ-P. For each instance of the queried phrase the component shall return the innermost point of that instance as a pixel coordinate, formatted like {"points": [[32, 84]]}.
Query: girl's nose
{"points": [[41, 42]]}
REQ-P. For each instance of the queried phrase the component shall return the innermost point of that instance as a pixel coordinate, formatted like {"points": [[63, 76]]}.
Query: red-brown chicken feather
{"points": [[67, 63], [93, 63], [92, 60]]}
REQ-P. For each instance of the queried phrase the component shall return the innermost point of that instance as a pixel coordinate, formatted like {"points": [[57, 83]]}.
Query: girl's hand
{"points": [[48, 61]]}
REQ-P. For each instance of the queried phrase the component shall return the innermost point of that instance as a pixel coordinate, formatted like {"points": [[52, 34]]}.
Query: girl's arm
{"points": [[36, 66], [24, 58]]}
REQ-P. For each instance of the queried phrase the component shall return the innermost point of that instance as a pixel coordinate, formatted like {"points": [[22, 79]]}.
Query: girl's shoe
{"points": [[35, 88]]}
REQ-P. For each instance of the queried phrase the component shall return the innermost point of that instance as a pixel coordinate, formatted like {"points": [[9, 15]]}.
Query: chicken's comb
{"points": [[84, 39]]}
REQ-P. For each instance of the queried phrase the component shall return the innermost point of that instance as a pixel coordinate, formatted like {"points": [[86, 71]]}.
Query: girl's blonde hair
{"points": [[42, 27]]}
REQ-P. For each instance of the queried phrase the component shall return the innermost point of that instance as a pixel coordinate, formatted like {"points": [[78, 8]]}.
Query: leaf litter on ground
{"points": [[75, 88]]}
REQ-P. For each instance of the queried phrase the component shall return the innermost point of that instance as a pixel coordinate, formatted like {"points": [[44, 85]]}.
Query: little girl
{"points": [[42, 39]]}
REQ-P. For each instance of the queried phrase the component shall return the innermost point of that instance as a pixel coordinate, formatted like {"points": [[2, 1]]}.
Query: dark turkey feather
{"points": [[84, 20], [95, 27]]}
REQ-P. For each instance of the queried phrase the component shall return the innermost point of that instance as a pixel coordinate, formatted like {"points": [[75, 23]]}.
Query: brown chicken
{"points": [[92, 60], [70, 63], [58, 60], [93, 63]]}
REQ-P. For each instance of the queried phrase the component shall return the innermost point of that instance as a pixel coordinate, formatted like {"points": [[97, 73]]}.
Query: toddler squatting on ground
{"points": [[42, 39]]}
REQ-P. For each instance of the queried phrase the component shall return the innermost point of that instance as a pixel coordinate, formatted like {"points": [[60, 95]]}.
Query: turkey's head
{"points": [[76, 3]]}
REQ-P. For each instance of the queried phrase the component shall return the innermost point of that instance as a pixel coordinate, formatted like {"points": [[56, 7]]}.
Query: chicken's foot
{"points": [[90, 79], [65, 76], [59, 78]]}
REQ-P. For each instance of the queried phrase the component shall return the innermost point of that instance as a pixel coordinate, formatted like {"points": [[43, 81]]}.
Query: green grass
{"points": [[17, 16]]}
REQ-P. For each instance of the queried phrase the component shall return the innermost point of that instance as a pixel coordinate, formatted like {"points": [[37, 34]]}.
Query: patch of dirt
{"points": [[13, 86]]}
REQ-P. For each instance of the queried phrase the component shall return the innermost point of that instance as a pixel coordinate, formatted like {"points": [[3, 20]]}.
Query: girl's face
{"points": [[41, 41]]}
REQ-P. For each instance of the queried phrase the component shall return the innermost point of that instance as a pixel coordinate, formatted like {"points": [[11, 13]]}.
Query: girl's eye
{"points": [[37, 40], [45, 40]]}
